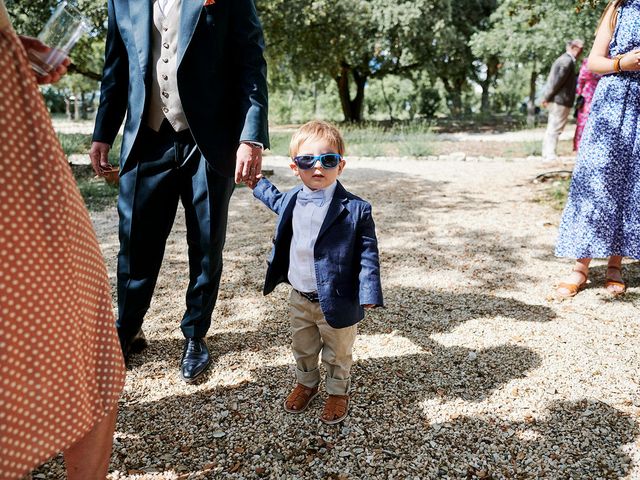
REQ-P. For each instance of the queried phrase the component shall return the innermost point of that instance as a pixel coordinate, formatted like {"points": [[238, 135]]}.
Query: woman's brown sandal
{"points": [[614, 287], [300, 398], [572, 288], [335, 410]]}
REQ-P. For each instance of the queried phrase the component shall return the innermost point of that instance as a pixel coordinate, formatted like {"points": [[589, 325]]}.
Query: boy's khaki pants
{"points": [[311, 334]]}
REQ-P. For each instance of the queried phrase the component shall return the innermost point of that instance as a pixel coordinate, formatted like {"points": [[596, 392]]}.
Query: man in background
{"points": [[559, 96]]}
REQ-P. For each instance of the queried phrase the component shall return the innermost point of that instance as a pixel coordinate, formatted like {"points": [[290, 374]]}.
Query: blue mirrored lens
{"points": [[328, 160]]}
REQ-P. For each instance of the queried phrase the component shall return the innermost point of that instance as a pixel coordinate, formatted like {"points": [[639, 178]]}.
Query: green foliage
{"points": [[75, 143], [98, 195], [80, 143], [373, 140], [397, 59], [537, 30]]}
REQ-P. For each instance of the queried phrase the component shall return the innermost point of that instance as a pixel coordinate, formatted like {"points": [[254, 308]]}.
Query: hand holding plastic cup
{"points": [[60, 34]]}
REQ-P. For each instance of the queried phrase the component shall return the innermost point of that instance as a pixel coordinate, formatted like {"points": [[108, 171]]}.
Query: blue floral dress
{"points": [[602, 215]]}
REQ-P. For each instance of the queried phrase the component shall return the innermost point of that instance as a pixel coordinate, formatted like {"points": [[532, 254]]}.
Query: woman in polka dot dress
{"points": [[61, 368], [602, 215]]}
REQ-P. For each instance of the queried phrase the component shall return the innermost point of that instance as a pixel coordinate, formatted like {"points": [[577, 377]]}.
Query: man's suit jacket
{"points": [[345, 254], [561, 84], [221, 76]]}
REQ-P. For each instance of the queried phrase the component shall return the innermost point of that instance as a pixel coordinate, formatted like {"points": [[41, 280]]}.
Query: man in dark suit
{"points": [[559, 97], [191, 77]]}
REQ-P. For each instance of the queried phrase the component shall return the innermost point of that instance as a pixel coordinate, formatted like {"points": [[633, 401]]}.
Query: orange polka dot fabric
{"points": [[61, 368]]}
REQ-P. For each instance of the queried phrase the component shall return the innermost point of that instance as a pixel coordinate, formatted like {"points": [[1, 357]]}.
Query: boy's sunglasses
{"points": [[327, 160]]}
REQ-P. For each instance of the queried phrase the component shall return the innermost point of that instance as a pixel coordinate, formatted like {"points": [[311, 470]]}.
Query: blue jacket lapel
{"points": [[140, 12], [335, 209], [189, 15]]}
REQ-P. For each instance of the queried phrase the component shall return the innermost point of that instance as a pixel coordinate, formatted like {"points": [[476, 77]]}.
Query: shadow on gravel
{"points": [[243, 430]]}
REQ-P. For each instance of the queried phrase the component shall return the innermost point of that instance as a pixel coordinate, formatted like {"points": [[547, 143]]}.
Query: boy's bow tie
{"points": [[316, 197]]}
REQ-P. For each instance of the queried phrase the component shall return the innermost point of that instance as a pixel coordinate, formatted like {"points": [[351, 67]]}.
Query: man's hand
{"points": [[99, 155], [31, 43], [248, 164], [544, 104]]}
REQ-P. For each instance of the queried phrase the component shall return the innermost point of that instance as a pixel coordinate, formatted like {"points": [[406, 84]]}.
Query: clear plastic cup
{"points": [[60, 34]]}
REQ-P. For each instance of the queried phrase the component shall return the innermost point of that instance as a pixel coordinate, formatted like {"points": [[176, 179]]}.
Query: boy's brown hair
{"points": [[316, 129]]}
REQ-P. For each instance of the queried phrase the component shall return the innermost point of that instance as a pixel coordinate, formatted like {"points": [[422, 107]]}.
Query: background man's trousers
{"points": [[167, 167], [558, 116]]}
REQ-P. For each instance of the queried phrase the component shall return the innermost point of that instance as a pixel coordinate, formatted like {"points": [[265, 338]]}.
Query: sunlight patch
{"points": [[381, 346]]}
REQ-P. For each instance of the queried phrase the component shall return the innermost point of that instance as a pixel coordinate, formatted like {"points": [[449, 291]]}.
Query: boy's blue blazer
{"points": [[346, 253]]}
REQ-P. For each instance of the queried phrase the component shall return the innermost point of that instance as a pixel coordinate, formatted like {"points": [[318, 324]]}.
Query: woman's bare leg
{"points": [[88, 458], [578, 275], [614, 274]]}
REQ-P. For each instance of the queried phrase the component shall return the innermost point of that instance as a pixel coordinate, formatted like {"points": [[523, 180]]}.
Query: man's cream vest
{"points": [[165, 99]]}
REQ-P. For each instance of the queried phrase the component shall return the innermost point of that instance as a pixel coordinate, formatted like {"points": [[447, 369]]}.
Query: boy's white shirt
{"points": [[307, 220]]}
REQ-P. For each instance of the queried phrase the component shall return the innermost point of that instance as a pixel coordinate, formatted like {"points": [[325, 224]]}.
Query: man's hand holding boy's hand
{"points": [[248, 164], [369, 306], [252, 184]]}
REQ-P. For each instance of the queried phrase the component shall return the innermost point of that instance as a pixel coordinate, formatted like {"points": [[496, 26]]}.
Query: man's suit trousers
{"points": [[166, 167]]}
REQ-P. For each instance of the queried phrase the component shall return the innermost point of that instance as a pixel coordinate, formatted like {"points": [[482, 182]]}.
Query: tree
{"points": [[451, 58], [350, 41], [533, 33]]}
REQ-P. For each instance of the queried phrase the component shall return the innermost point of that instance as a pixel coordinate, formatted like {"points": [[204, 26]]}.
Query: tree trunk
{"points": [[531, 105], [315, 99], [386, 99], [83, 106], [454, 95], [76, 107], [351, 108], [492, 72], [67, 107]]}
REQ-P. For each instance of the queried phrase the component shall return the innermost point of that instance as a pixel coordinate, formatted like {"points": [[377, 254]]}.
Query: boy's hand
{"points": [[252, 183], [370, 306]]}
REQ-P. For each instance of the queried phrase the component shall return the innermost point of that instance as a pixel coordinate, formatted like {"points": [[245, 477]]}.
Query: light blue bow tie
{"points": [[316, 197]]}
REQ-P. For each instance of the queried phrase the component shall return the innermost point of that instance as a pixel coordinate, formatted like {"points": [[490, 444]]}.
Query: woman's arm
{"points": [[599, 61]]}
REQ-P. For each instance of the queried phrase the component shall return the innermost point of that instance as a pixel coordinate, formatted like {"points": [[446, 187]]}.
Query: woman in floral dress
{"points": [[602, 215]]}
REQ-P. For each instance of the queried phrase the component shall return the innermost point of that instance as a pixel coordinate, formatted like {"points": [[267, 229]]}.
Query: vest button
{"points": [[165, 94], [166, 45], [165, 109], [165, 60], [165, 77]]}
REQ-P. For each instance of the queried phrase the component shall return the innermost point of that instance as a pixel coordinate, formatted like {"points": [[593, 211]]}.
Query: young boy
{"points": [[325, 246]]}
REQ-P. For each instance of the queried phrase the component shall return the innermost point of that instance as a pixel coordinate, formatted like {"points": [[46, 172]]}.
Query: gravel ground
{"points": [[473, 370]]}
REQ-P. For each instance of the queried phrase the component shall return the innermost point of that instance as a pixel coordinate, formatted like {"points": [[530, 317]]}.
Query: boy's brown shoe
{"points": [[336, 409], [300, 398]]}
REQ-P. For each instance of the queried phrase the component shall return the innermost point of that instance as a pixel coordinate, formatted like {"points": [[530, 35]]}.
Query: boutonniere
{"points": [[209, 2]]}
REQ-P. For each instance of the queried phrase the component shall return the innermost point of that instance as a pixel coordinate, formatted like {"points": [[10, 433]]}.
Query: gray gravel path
{"points": [[473, 370]]}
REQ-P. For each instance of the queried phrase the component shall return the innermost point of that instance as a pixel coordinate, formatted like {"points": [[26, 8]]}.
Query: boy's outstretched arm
{"points": [[268, 194], [370, 293]]}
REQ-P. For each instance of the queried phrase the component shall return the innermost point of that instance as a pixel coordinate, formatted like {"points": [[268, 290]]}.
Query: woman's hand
{"points": [[31, 43], [630, 62]]}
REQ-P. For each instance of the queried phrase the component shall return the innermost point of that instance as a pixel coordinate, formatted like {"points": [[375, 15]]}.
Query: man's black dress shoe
{"points": [[195, 359], [135, 344]]}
